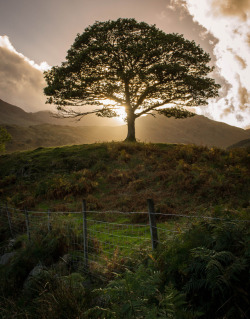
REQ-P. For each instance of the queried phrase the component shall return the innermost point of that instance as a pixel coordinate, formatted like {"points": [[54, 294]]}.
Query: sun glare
{"points": [[120, 110], [122, 114]]}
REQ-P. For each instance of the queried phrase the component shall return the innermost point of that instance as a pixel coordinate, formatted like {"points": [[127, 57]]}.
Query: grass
{"points": [[121, 176], [191, 274]]}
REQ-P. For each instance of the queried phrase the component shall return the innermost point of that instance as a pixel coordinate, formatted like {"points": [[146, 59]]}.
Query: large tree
{"points": [[124, 63]]}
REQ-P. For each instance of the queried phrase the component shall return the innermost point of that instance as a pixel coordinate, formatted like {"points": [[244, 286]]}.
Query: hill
{"points": [[46, 135], [197, 130], [181, 178], [14, 115], [41, 129], [240, 144], [196, 257]]}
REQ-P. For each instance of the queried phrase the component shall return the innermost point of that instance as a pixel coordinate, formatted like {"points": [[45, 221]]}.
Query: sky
{"points": [[35, 35]]}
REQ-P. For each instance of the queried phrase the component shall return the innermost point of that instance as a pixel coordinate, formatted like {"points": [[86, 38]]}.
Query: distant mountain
{"points": [[32, 130], [47, 135], [194, 130], [14, 115]]}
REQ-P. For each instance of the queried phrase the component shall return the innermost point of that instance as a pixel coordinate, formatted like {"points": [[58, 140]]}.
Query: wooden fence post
{"points": [[85, 235], [49, 223], [9, 221], [152, 223], [27, 224]]}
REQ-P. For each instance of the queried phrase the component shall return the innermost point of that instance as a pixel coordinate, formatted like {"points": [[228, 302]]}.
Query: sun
{"points": [[120, 110], [121, 114]]}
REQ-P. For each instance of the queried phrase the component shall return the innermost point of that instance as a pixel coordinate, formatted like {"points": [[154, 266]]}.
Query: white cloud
{"points": [[229, 22], [21, 79]]}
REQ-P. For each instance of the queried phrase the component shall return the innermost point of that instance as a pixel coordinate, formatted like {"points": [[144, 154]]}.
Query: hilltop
{"points": [[181, 178]]}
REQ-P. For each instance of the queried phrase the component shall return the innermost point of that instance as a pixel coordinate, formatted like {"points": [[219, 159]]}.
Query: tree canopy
{"points": [[134, 65]]}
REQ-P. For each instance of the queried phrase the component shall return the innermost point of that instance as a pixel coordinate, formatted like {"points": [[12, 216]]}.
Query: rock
{"points": [[35, 272], [4, 259], [11, 243]]}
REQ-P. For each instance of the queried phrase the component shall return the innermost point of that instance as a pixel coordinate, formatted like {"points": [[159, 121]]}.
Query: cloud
{"points": [[229, 22], [21, 79], [232, 8]]}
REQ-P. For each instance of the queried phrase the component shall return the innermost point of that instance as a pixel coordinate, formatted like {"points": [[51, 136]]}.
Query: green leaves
{"points": [[137, 295], [176, 113]]}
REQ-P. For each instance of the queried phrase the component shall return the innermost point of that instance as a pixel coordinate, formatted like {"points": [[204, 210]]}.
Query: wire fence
{"points": [[99, 241]]}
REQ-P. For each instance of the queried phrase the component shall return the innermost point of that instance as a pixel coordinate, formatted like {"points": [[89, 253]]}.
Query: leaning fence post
{"points": [[27, 224], [152, 223], [9, 221], [85, 235], [49, 222]]}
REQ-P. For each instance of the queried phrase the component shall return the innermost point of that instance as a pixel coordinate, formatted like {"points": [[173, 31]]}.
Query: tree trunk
{"points": [[131, 129]]}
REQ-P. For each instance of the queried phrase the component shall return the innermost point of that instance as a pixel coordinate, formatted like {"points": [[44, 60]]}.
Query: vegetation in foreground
{"points": [[201, 273], [121, 176]]}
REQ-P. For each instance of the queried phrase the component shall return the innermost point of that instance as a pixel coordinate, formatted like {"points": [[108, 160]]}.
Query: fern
{"points": [[137, 295], [215, 276]]}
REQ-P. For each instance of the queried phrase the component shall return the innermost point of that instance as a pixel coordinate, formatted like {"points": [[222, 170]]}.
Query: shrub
{"points": [[210, 263]]}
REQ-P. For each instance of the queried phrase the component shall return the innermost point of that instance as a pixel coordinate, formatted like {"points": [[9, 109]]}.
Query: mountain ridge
{"points": [[32, 130], [9, 113]]}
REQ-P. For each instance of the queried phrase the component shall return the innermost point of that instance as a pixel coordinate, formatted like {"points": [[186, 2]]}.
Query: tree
{"points": [[133, 65], [4, 138]]}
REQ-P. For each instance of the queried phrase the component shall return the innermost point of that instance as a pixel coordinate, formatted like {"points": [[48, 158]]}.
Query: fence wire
{"points": [[111, 240]]}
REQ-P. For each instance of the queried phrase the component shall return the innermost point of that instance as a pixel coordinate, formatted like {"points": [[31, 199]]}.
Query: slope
{"points": [[14, 115], [197, 130], [111, 176]]}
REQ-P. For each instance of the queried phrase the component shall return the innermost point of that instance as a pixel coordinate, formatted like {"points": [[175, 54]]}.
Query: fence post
{"points": [[9, 221], [152, 223], [85, 235], [49, 223], [27, 223]]}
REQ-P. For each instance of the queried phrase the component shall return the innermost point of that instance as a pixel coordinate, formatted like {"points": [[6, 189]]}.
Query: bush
{"points": [[210, 263]]}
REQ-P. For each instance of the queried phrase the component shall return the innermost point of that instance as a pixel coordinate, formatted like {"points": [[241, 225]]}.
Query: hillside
{"points": [[122, 176], [32, 130], [60, 265], [46, 135], [148, 129], [14, 115], [240, 144], [197, 130]]}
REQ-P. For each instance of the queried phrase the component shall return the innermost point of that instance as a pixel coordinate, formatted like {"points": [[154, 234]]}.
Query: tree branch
{"points": [[151, 108]]}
